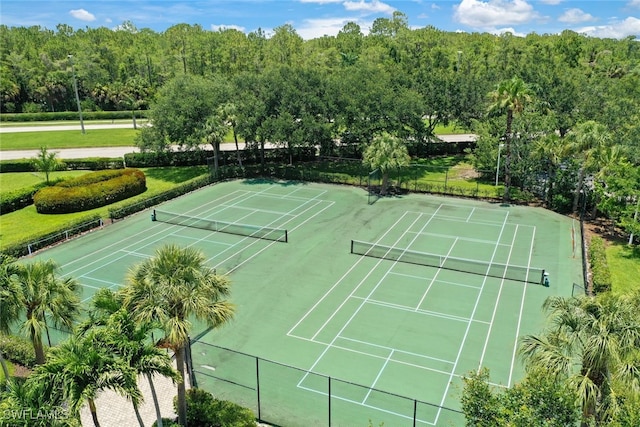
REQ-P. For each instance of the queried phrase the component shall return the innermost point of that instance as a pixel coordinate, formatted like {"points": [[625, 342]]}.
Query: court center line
{"points": [[410, 353], [497, 302], [369, 295], [259, 210], [524, 293], [435, 276], [340, 279], [464, 239], [386, 362], [466, 333], [412, 276], [471, 214]]}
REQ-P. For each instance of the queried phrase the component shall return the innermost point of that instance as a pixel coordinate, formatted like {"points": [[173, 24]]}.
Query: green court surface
{"points": [[325, 336]]}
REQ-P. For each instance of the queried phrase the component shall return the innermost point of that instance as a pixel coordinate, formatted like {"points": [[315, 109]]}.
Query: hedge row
{"points": [[90, 191], [226, 158], [71, 115], [13, 200], [64, 232], [18, 349], [89, 163], [600, 273]]}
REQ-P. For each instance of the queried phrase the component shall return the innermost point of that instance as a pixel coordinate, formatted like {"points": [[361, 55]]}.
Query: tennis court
{"points": [[349, 312]]}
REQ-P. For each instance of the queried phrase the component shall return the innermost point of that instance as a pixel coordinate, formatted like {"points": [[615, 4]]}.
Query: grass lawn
{"points": [[10, 181], [68, 139], [624, 263], [11, 369], [26, 224]]}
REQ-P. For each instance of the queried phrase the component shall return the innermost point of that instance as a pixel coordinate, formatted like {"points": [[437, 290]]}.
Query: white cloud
{"points": [[222, 27], [499, 31], [434, 6], [618, 30], [574, 16], [374, 6], [634, 3], [315, 28], [491, 13], [321, 1], [551, 2], [82, 15]]}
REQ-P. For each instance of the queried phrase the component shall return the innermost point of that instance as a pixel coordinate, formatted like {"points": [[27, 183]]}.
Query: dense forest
{"points": [[565, 107]]}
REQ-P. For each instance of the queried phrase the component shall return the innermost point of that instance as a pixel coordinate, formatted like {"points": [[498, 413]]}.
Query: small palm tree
{"points": [[229, 113], [213, 132], [120, 335], [10, 301], [78, 369], [592, 343], [46, 162], [43, 294], [510, 96], [169, 289], [386, 153], [550, 150]]}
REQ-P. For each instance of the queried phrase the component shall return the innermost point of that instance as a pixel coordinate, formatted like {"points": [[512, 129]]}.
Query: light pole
{"points": [[498, 166], [75, 88]]}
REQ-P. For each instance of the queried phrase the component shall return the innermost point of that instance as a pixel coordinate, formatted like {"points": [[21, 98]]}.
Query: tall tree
{"points": [[44, 297], [591, 343], [386, 153], [587, 140], [510, 97], [10, 301], [170, 289]]}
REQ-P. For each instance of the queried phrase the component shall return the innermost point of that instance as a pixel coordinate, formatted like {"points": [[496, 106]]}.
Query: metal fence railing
{"points": [[280, 394]]}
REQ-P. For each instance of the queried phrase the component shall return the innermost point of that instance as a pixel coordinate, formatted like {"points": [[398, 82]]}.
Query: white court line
{"points": [[458, 219], [439, 281], [410, 353], [470, 214], [464, 239], [466, 334], [258, 210], [386, 362], [111, 284], [497, 302], [435, 276], [419, 311], [363, 302], [340, 280], [524, 292]]}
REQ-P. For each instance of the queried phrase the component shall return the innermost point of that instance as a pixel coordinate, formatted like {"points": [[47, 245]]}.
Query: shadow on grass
{"points": [[176, 175]]}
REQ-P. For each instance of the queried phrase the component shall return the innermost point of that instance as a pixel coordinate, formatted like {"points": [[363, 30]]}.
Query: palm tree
{"points": [[79, 368], [43, 294], [587, 139], [214, 131], [592, 343], [550, 150], [229, 112], [386, 153], [510, 96], [46, 162], [10, 297], [169, 289], [120, 335]]}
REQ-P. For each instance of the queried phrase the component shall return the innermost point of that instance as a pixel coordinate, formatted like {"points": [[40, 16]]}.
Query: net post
{"points": [[351, 246], [153, 215], [286, 236], [542, 277]]}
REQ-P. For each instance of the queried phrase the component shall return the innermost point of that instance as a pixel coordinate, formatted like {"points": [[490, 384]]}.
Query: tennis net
{"points": [[267, 233], [512, 272]]}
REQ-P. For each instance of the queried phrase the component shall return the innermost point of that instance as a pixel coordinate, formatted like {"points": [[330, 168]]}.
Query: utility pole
{"points": [[75, 88]]}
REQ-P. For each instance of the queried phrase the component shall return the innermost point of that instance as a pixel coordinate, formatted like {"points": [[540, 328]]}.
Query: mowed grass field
{"points": [[68, 139]]}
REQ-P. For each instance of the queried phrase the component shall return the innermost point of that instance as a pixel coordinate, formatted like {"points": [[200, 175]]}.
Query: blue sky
{"points": [[314, 18]]}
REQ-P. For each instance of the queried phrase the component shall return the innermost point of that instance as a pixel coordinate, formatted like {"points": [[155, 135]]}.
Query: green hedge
{"points": [[600, 273], [204, 410], [88, 163], [18, 199], [71, 115], [18, 349], [90, 191]]}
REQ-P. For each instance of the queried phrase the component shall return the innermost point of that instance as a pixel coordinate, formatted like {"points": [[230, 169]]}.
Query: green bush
{"points": [[18, 349], [166, 422], [20, 165], [18, 199], [90, 191], [600, 273], [70, 115], [203, 410]]}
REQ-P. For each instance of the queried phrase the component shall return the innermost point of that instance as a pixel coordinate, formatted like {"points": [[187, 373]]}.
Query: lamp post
{"points": [[498, 165], [75, 88]]}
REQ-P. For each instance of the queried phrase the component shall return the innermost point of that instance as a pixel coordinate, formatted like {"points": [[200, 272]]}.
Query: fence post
{"points": [[446, 179], [329, 397], [415, 411], [258, 386]]}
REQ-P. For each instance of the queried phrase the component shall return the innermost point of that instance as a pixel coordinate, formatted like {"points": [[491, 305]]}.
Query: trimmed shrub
{"points": [[90, 191], [20, 165], [94, 163], [203, 410], [18, 199], [600, 273], [18, 349], [71, 115]]}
